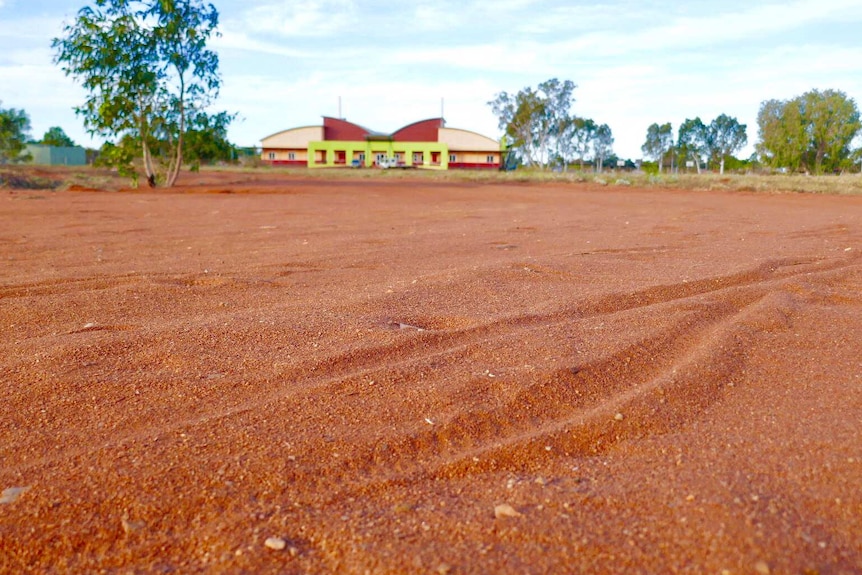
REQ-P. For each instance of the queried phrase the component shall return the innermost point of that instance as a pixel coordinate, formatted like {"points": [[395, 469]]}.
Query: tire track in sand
{"points": [[550, 408]]}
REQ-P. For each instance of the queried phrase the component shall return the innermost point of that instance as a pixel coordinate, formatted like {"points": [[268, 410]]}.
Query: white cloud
{"points": [[237, 40], [269, 105], [302, 19], [285, 63], [710, 28]]}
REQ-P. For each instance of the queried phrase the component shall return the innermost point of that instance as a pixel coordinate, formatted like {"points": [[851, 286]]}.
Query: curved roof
{"points": [[421, 131], [458, 139], [339, 130], [294, 137], [285, 131]]}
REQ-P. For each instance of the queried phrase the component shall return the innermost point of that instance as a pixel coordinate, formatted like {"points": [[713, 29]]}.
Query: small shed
{"points": [[57, 156]]}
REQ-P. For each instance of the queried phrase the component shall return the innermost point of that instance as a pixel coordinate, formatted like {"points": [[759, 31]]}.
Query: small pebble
{"points": [[618, 417], [130, 526], [762, 567], [11, 494], [505, 510], [402, 508], [276, 543]]}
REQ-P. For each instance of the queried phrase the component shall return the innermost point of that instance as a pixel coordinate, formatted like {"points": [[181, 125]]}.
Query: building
{"points": [[57, 155], [339, 143]]}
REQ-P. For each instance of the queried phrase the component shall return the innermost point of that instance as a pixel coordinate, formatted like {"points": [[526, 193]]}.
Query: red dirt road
{"points": [[635, 380]]}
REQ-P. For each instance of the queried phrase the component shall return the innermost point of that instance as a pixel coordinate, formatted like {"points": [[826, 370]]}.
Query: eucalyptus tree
{"points": [[602, 145], [584, 134], [832, 121], [659, 141], [811, 132], [147, 69], [532, 119], [694, 141], [565, 141], [14, 132], [783, 139], [727, 136]]}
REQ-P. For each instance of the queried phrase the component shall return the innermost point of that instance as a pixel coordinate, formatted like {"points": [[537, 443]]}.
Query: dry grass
{"points": [[27, 177], [60, 178], [850, 184]]}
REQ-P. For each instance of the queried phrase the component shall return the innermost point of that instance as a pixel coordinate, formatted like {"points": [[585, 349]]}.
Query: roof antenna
{"points": [[340, 117], [442, 115]]}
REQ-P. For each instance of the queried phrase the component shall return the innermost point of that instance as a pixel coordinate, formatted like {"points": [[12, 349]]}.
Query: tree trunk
{"points": [[177, 161], [696, 161], [149, 171], [721, 166]]}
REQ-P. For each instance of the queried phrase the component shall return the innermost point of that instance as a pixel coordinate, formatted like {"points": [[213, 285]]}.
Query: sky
{"points": [[286, 63]]}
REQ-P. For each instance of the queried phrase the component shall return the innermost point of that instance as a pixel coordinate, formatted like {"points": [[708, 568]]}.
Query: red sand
{"points": [[653, 381]]}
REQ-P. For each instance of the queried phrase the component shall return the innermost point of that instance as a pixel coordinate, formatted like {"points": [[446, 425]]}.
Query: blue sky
{"points": [[286, 63]]}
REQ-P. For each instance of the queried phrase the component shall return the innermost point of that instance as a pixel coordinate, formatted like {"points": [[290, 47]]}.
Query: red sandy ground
{"points": [[655, 381]]}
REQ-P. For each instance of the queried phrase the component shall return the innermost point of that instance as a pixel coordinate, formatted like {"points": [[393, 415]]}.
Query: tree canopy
{"points": [[14, 133], [603, 145], [659, 141], [147, 69], [812, 132], [694, 140], [534, 120], [55, 136], [726, 137]]}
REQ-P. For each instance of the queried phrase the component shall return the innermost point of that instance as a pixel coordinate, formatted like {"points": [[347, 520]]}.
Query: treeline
{"points": [[15, 136], [540, 129], [811, 133], [206, 142]]}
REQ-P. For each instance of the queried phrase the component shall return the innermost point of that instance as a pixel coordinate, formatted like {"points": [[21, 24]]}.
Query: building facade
{"points": [[57, 155], [426, 144]]}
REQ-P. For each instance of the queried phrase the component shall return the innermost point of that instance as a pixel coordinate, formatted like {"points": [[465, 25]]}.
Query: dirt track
{"points": [[652, 381]]}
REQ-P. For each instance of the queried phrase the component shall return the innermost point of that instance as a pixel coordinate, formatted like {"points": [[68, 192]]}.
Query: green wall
{"points": [[57, 156]]}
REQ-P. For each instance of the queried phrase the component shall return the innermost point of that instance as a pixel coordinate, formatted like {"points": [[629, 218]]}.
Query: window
{"points": [[453, 158], [418, 158], [491, 160], [361, 157], [398, 157], [379, 158], [291, 156], [272, 155]]}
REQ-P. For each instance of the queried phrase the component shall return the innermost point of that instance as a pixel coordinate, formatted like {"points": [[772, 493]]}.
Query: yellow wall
{"points": [[284, 155], [475, 157]]}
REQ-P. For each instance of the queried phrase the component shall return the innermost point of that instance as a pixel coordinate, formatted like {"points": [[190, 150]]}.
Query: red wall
{"points": [[470, 166], [335, 130], [424, 131]]}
